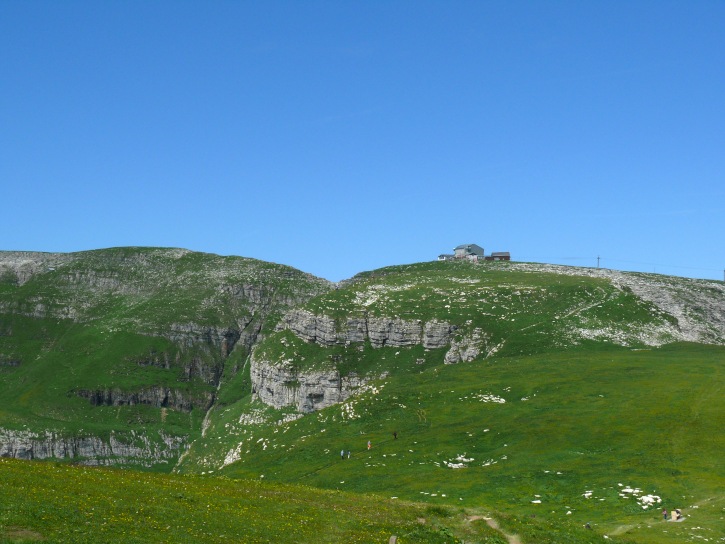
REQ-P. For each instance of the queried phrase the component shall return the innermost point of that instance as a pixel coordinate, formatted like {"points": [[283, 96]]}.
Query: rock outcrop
{"points": [[467, 348], [281, 386], [134, 449], [159, 397], [20, 266], [380, 331]]}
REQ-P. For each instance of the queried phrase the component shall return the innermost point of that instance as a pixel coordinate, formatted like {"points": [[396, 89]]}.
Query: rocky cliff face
{"points": [[281, 386], [278, 384], [135, 449], [159, 397], [19, 266], [380, 331], [469, 347]]}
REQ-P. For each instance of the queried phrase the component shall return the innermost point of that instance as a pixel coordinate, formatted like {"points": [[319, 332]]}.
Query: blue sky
{"points": [[338, 137]]}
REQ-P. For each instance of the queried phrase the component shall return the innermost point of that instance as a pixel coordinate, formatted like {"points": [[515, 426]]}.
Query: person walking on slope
{"points": [[369, 444]]}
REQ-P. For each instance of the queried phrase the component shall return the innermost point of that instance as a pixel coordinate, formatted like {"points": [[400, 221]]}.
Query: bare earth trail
{"points": [[512, 539]]}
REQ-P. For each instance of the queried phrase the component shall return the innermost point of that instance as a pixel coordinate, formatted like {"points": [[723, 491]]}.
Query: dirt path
{"points": [[512, 539]]}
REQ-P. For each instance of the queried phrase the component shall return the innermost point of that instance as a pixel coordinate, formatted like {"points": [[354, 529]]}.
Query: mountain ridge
{"points": [[140, 328], [201, 325], [514, 386]]}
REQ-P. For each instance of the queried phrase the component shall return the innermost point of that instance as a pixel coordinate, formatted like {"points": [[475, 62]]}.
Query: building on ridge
{"points": [[474, 253], [499, 256], [468, 251]]}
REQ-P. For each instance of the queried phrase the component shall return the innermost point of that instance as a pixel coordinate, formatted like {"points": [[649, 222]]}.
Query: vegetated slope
{"points": [[114, 356], [104, 505], [50, 502], [577, 394]]}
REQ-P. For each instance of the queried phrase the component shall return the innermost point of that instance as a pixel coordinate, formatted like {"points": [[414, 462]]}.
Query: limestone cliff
{"points": [[379, 331], [132, 449], [280, 384], [158, 397]]}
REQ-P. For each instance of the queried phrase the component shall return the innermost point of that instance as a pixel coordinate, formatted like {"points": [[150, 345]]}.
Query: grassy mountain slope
{"points": [[577, 396], [129, 344], [584, 403]]}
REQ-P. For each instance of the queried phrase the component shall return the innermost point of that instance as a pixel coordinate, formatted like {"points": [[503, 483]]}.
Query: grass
{"points": [[571, 424], [116, 506], [55, 503]]}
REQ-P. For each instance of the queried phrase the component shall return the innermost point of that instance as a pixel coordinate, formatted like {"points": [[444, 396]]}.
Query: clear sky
{"points": [[342, 136]]}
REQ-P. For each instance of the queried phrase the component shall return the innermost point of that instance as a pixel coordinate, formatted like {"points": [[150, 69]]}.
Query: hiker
{"points": [[664, 513], [369, 444], [678, 515], [342, 454], [395, 435], [348, 454]]}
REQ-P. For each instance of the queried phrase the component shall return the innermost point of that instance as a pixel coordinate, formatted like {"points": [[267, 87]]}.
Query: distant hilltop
{"points": [[475, 253]]}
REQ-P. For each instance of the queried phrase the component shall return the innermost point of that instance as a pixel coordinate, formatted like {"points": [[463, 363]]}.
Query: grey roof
{"points": [[474, 248]]}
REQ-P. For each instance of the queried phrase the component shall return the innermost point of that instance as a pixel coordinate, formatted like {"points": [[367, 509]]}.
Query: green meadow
{"points": [[50, 502], [608, 437]]}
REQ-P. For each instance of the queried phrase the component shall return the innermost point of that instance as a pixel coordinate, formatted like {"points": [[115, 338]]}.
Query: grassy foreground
{"points": [[49, 502], [61, 503]]}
